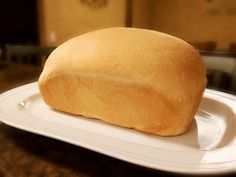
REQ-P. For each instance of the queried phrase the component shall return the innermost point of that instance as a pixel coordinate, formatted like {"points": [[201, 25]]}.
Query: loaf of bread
{"points": [[134, 78]]}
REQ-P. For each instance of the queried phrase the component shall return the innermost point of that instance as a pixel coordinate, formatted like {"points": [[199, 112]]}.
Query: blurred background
{"points": [[31, 29]]}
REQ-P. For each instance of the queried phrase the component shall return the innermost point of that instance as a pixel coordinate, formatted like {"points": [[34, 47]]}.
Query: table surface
{"points": [[24, 154]]}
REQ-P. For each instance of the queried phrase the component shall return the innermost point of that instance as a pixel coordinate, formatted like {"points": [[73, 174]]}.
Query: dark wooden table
{"points": [[24, 154]]}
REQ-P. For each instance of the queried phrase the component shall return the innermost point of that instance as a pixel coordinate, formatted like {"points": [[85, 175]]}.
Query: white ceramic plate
{"points": [[214, 130]]}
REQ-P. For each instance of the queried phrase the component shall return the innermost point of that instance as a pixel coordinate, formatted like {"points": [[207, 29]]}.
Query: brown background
{"points": [[196, 21]]}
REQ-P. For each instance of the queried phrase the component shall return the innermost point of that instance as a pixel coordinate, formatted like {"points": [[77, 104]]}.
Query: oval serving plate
{"points": [[209, 147]]}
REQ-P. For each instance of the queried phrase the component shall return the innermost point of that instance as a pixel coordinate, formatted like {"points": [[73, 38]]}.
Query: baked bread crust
{"points": [[134, 78]]}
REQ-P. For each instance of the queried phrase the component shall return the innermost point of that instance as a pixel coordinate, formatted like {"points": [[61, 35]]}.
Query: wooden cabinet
{"points": [[60, 20], [206, 24]]}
